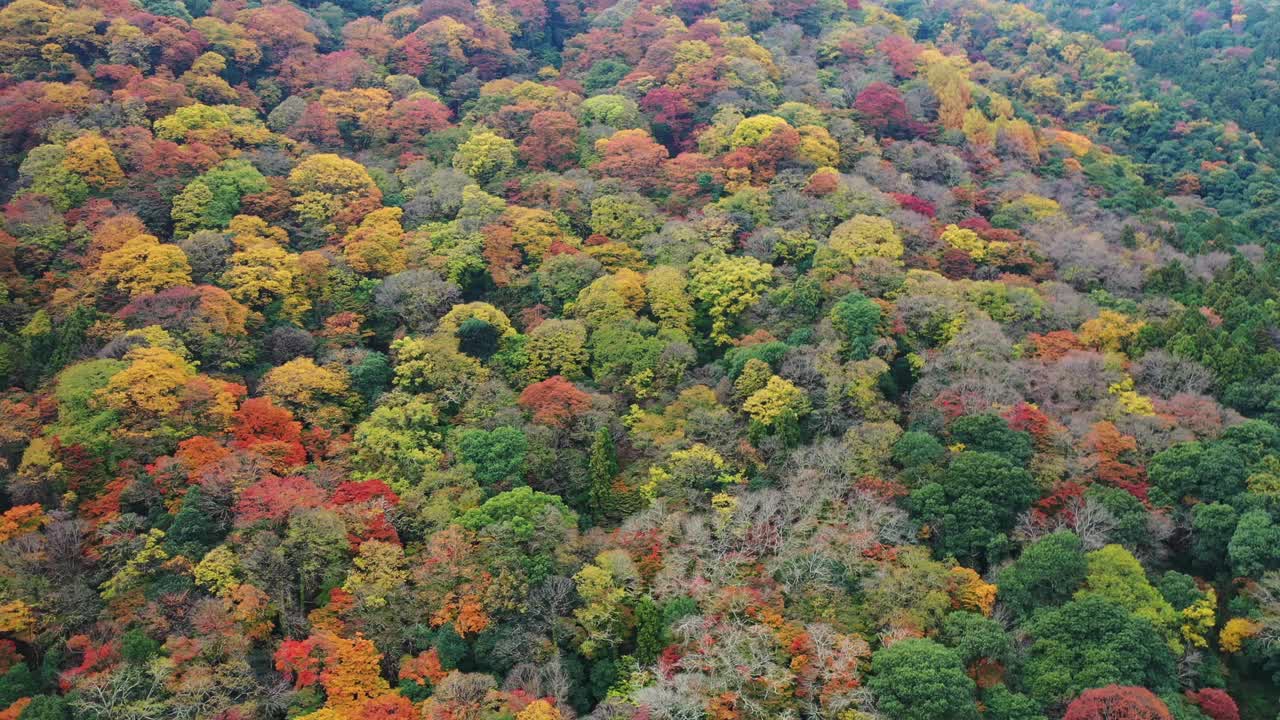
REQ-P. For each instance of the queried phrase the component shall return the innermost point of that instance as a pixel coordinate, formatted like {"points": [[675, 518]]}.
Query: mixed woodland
{"points": [[639, 360]]}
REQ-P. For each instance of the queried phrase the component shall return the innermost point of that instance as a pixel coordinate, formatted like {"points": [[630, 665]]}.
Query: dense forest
{"points": [[639, 360]]}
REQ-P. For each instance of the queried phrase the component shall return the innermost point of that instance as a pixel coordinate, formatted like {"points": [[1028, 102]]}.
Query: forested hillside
{"points": [[639, 360]]}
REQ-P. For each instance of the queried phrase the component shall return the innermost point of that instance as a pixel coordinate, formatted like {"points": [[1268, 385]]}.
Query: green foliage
{"points": [[856, 319], [1046, 574], [918, 679], [974, 503], [1093, 642], [497, 455]]}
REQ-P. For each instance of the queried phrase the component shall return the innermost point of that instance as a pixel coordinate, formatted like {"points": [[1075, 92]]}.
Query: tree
{"points": [[374, 248], [1046, 574], [857, 320], [1093, 642], [917, 679], [603, 468], [1115, 574], [990, 433], [1214, 703], [975, 502], [1255, 544], [329, 174], [866, 236], [400, 440], [727, 286], [552, 142], [485, 156], [557, 347], [318, 395], [631, 156], [91, 158], [143, 265], [554, 401], [497, 456], [882, 109], [1114, 702]]}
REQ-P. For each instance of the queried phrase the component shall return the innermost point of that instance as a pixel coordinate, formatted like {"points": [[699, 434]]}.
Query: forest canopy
{"points": [[639, 360]]}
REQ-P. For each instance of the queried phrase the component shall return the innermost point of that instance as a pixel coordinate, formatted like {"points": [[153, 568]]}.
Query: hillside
{"points": [[644, 360]]}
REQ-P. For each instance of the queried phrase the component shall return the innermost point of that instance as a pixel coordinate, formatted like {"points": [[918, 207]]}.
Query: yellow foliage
{"points": [[91, 158], [539, 710], [261, 275], [459, 314], [1235, 632], [1130, 401], [817, 146], [1199, 618], [150, 384], [865, 236], [966, 240], [16, 617], [249, 231], [778, 398], [1109, 331], [143, 265], [969, 592], [374, 248], [315, 393], [217, 570], [753, 130]]}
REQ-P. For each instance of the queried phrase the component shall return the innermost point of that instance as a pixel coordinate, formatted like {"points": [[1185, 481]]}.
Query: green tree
{"points": [[1046, 574], [855, 319], [1212, 526], [917, 679], [988, 432], [603, 467], [1255, 545], [974, 503], [1090, 643], [497, 455]]}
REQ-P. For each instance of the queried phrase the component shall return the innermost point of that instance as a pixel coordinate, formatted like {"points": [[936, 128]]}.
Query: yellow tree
{"points": [[319, 395], [143, 265], [265, 274], [728, 286], [374, 248], [866, 236], [91, 158]]}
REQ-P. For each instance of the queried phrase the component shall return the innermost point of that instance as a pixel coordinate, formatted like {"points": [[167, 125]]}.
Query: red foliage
{"points": [[671, 110], [633, 157], [412, 118], [554, 401], [902, 53], [391, 706], [1053, 346], [297, 659], [9, 655], [93, 659], [1215, 703], [349, 493], [316, 125], [882, 108], [1115, 702], [552, 142], [915, 204], [273, 499], [688, 176], [1025, 417], [268, 430]]}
